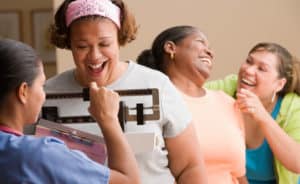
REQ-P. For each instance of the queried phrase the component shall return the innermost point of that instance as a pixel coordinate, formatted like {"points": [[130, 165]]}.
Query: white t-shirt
{"points": [[174, 115]]}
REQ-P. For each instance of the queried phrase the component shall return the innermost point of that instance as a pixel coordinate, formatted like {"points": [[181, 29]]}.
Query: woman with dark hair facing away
{"points": [[28, 159], [184, 55], [94, 30], [267, 89]]}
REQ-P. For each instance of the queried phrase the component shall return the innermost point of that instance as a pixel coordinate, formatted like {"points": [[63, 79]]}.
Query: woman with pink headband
{"points": [[94, 30]]}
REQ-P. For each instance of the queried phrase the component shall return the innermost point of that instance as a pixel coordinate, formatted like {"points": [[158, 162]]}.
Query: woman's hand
{"points": [[104, 104], [251, 105]]}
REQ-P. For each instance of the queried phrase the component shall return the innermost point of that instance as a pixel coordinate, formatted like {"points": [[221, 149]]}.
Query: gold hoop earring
{"points": [[171, 55]]}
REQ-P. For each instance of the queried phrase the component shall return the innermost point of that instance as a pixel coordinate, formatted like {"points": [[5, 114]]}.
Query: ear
{"points": [[22, 92], [170, 47], [280, 85]]}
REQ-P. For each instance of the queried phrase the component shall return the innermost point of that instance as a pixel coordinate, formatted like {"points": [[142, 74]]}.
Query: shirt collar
{"points": [[9, 130]]}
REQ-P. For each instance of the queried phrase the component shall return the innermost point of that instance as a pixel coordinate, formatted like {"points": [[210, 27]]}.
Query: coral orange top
{"points": [[220, 130]]}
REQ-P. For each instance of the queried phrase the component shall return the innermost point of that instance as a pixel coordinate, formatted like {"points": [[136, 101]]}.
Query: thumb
{"points": [[94, 86]]}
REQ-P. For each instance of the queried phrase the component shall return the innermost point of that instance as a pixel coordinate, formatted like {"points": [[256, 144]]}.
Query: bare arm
{"points": [[284, 147], [104, 108], [243, 180], [185, 159]]}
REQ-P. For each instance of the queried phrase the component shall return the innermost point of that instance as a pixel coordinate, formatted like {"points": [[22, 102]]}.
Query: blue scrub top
{"points": [[27, 159]]}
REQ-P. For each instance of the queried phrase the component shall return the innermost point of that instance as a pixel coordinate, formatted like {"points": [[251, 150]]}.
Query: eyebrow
{"points": [[260, 62], [85, 39]]}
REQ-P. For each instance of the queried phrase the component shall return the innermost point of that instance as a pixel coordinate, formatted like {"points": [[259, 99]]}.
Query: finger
{"points": [[246, 92], [240, 95], [242, 106], [93, 85]]}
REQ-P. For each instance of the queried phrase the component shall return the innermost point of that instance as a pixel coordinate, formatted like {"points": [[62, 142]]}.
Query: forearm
{"points": [[284, 148], [120, 155], [104, 106]]}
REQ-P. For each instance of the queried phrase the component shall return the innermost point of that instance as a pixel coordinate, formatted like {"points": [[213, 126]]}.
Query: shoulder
{"points": [[27, 148], [63, 82], [63, 75], [290, 102], [48, 153], [227, 105], [39, 145], [227, 84], [291, 98], [222, 97], [138, 76], [147, 72], [289, 115]]}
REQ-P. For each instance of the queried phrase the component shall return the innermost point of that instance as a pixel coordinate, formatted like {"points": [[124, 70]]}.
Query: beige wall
{"points": [[64, 57], [232, 26], [25, 7]]}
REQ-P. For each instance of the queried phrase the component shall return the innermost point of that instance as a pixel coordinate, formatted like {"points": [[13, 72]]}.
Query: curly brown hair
{"points": [[60, 33]]}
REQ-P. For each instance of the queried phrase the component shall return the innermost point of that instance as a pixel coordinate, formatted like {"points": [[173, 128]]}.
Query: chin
{"points": [[206, 76]]}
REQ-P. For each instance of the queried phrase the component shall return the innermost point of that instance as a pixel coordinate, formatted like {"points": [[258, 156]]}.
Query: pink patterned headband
{"points": [[81, 8]]}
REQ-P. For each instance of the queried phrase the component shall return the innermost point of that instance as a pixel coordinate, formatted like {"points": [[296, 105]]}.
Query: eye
{"points": [[262, 68], [104, 44], [248, 61], [81, 46]]}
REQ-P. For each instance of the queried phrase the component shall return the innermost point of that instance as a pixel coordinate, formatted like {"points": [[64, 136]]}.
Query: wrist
{"points": [[108, 122]]}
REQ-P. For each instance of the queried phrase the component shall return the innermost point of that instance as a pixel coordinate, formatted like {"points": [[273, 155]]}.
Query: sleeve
{"points": [[289, 119], [175, 112], [228, 84], [289, 116], [64, 165]]}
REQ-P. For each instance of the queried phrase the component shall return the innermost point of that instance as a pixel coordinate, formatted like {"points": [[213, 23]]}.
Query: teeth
{"points": [[95, 66], [206, 60], [248, 82]]}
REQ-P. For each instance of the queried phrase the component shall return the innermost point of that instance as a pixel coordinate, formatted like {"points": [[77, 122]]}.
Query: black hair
{"points": [[18, 63], [154, 57]]}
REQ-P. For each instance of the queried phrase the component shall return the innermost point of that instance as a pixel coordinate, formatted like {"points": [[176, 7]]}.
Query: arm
{"points": [[228, 84], [284, 147], [104, 108], [186, 166], [243, 180]]}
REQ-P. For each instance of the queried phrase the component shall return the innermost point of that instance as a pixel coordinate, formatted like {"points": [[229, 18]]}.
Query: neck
{"points": [[269, 105], [11, 119], [187, 86], [12, 126]]}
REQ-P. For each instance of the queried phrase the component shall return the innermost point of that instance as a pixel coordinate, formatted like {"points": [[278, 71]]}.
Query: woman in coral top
{"points": [[183, 53]]}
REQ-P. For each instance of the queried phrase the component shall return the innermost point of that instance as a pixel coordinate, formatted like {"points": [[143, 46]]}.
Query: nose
{"points": [[209, 52], [249, 69], [94, 54]]}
